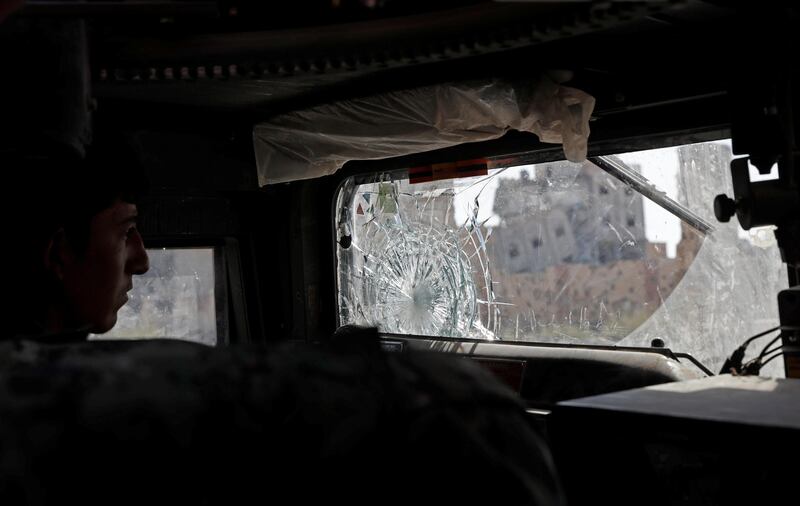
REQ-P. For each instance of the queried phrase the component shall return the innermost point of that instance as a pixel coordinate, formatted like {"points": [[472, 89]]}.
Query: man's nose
{"points": [[138, 261]]}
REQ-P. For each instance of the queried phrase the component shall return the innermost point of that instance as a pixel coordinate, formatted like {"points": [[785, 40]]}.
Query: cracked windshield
{"points": [[617, 252]]}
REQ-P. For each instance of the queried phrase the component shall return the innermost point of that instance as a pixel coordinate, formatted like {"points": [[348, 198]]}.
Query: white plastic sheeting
{"points": [[318, 141]]}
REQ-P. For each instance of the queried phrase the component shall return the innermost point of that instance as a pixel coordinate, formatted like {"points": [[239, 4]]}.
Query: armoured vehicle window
{"points": [[559, 252], [176, 298]]}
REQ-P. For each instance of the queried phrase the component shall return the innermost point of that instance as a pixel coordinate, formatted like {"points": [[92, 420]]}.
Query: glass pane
{"points": [[174, 299], [560, 252]]}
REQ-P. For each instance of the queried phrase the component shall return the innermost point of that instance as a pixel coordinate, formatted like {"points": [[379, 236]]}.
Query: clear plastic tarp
{"points": [[560, 252], [318, 141]]}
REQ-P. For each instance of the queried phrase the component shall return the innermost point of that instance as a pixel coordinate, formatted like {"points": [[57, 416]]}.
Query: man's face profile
{"points": [[96, 281]]}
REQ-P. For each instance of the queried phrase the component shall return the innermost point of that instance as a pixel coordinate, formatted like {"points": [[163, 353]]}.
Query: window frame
{"points": [[223, 251], [364, 171]]}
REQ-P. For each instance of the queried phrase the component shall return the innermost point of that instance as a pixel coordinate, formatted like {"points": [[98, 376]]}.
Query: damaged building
{"points": [[550, 216]]}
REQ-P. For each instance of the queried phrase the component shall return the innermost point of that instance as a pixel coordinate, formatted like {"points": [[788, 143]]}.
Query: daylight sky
{"points": [[660, 166]]}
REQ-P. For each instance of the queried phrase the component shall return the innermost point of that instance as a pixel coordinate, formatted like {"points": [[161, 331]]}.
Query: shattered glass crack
{"points": [[559, 252]]}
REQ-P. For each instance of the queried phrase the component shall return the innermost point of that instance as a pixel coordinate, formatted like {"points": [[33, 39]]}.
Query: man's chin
{"points": [[105, 326]]}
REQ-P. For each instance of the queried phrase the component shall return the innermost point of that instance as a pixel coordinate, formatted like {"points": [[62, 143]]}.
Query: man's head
{"points": [[76, 245], [96, 276]]}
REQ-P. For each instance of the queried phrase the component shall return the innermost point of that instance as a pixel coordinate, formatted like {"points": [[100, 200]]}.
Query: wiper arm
{"points": [[621, 171], [696, 362]]}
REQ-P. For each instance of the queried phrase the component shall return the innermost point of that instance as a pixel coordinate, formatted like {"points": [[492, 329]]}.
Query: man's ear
{"points": [[57, 254]]}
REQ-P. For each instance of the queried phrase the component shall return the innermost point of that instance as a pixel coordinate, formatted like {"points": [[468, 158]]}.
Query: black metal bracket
{"points": [[763, 127]]}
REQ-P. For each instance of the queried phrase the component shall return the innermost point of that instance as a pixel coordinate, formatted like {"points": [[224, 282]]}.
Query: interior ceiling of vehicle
{"points": [[224, 66], [256, 70], [250, 60]]}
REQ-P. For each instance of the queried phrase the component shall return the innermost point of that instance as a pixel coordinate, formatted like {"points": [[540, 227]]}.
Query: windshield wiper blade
{"points": [[641, 184]]}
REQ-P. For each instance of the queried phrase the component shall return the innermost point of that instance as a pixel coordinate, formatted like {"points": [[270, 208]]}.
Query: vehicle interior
{"points": [[595, 202]]}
